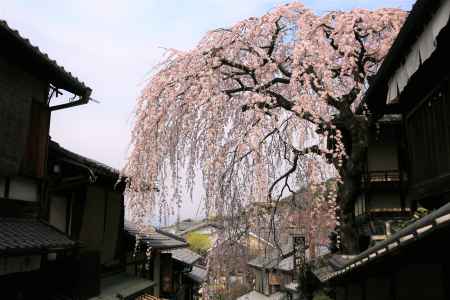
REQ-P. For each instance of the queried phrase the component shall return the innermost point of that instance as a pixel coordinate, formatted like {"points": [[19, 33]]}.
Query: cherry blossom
{"points": [[257, 110]]}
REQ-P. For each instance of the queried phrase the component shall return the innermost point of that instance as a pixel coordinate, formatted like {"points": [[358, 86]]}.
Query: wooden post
{"points": [[157, 273]]}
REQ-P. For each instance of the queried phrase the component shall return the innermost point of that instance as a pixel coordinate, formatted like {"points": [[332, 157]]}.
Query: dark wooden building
{"points": [[85, 201], [61, 214], [381, 203], [34, 254], [164, 258], [413, 81]]}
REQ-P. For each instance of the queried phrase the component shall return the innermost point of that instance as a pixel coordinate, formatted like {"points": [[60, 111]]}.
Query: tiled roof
{"points": [[156, 238], [29, 236], [434, 222], [286, 264], [123, 286], [197, 274], [97, 167], [272, 258], [281, 259], [184, 255], [328, 264], [58, 75], [189, 225]]}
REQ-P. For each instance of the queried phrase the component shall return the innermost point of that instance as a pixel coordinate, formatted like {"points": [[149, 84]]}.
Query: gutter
{"points": [[83, 100]]}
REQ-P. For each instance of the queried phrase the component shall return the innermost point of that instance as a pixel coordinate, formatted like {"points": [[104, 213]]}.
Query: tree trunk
{"points": [[356, 128]]}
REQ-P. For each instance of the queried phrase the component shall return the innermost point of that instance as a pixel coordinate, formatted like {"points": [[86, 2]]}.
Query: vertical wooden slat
{"points": [[34, 162]]}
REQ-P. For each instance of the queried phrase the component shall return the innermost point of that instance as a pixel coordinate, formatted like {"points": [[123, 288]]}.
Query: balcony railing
{"points": [[381, 176]]}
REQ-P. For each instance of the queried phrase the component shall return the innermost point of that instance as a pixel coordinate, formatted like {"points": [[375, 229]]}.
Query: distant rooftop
{"points": [[156, 238], [189, 225], [184, 255], [273, 257], [281, 259], [198, 274]]}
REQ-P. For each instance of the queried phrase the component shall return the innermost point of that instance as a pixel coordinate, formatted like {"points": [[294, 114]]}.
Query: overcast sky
{"points": [[112, 45]]}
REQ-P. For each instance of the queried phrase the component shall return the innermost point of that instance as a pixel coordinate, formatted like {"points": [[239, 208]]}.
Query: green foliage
{"points": [[418, 214], [321, 296], [199, 242]]}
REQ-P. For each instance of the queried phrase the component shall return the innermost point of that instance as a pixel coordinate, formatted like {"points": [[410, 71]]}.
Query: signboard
{"points": [[299, 253]]}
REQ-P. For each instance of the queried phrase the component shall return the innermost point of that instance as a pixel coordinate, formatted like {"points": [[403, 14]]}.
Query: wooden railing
{"points": [[381, 176]]}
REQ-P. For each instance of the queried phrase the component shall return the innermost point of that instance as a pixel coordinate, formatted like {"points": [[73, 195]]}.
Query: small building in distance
{"points": [[163, 258]]}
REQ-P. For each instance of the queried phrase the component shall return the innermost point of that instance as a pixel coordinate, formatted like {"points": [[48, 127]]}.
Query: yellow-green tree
{"points": [[199, 242]]}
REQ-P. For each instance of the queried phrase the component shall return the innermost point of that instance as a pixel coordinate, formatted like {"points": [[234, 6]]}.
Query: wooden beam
{"points": [[70, 104]]}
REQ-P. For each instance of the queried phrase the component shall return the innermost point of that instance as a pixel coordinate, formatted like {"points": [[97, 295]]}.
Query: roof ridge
{"points": [[76, 83]]}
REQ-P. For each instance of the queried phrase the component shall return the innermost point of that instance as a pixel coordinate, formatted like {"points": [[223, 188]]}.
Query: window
{"points": [[25, 189]]}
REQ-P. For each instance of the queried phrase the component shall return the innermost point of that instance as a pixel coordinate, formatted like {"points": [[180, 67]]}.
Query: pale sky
{"points": [[112, 45]]}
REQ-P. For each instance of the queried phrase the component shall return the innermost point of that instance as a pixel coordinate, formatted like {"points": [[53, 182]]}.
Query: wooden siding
{"points": [[428, 134], [18, 89], [34, 162]]}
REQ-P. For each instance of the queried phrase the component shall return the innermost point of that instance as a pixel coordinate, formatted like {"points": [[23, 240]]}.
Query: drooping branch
{"points": [[244, 106]]}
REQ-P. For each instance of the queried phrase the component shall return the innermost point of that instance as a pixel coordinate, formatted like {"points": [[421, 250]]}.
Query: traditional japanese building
{"points": [[85, 201], [34, 254], [381, 203], [61, 214], [413, 81], [164, 259], [276, 272]]}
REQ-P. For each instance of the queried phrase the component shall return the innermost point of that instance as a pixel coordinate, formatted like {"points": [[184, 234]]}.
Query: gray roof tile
{"points": [[97, 167], [184, 255], [198, 274], [29, 235], [157, 239]]}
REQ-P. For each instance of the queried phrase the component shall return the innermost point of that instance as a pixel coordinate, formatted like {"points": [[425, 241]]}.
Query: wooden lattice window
{"points": [[428, 133]]}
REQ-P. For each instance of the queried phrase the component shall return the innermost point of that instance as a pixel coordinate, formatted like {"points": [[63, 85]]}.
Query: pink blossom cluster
{"points": [[252, 109]]}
